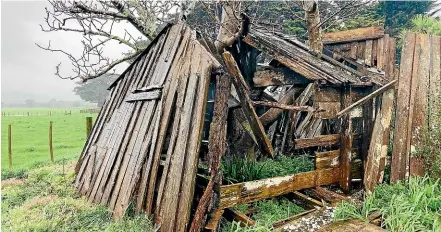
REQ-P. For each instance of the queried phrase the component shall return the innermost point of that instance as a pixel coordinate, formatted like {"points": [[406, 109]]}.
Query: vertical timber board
{"points": [[353, 52], [435, 84], [400, 143], [368, 53], [419, 119], [346, 142], [247, 106], [380, 53], [192, 156], [374, 52]]}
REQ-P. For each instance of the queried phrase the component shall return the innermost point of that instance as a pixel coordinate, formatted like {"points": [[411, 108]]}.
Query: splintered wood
{"points": [[121, 159]]}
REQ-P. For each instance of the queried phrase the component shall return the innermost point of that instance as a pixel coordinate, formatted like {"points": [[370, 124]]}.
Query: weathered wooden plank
{"points": [[367, 98], [380, 53], [213, 223], [328, 195], [374, 53], [216, 146], [368, 53], [419, 121], [143, 96], [401, 142], [346, 144], [327, 159], [353, 35], [305, 200], [353, 52], [172, 175], [284, 106], [360, 49], [168, 101], [272, 114], [252, 191], [435, 83], [247, 106], [376, 158], [187, 189], [318, 141], [244, 220]]}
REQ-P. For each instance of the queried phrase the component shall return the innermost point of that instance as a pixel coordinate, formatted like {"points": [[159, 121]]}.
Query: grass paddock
{"points": [[30, 136]]}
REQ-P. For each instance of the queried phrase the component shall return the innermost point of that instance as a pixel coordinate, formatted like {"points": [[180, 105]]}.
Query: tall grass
{"points": [[412, 206], [46, 201], [240, 170]]}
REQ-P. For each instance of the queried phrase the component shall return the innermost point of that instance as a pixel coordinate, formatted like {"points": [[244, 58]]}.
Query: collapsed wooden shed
{"points": [[146, 144]]}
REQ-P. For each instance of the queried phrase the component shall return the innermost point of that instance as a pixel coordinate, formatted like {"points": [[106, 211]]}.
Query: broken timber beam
{"points": [[328, 195], [353, 35], [318, 141], [250, 113], [272, 114], [367, 98], [252, 191], [244, 220], [284, 106]]}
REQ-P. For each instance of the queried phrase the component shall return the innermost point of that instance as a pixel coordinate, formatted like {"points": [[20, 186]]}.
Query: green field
{"points": [[30, 135]]}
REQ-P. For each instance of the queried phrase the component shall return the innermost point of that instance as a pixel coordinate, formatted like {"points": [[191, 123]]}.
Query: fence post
{"points": [[50, 142], [10, 146], [88, 125]]}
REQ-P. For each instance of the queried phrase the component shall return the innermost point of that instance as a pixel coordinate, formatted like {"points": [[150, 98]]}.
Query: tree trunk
{"points": [[229, 26], [312, 17]]}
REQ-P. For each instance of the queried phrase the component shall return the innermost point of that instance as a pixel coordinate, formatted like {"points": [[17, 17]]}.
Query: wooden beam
{"points": [[250, 113], [309, 202], [327, 159], [213, 222], [367, 98], [244, 220], [328, 195], [284, 106], [252, 191], [272, 114], [351, 225], [318, 141], [346, 143], [353, 35]]}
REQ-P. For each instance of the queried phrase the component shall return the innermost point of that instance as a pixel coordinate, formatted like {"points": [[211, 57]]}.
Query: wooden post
{"points": [[51, 151], [346, 143], [10, 146], [88, 125]]}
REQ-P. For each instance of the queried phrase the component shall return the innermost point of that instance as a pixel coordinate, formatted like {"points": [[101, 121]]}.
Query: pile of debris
{"points": [[152, 131]]}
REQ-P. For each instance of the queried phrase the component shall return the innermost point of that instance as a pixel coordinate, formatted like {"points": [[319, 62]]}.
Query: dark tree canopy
{"points": [[95, 90]]}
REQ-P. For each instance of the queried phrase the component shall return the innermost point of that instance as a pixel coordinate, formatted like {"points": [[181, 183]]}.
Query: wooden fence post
{"points": [[10, 146], [50, 142], [88, 125]]}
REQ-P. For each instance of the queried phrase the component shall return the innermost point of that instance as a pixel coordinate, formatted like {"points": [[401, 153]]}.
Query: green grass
{"points": [[412, 206], [238, 169], [30, 137], [46, 201]]}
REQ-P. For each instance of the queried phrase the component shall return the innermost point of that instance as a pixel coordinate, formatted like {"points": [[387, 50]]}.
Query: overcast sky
{"points": [[27, 72]]}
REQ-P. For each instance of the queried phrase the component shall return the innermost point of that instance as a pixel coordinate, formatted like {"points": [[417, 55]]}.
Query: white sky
{"points": [[27, 72]]}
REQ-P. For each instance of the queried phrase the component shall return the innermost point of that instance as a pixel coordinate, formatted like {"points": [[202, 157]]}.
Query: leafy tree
{"points": [[30, 103], [95, 90], [398, 14]]}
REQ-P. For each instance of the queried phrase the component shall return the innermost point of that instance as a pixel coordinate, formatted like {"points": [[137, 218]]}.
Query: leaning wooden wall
{"points": [[144, 148], [418, 100]]}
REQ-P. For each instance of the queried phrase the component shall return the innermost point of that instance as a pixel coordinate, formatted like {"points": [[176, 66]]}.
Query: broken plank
{"points": [[328, 195], [252, 191], [367, 98], [305, 200], [215, 217], [368, 53], [351, 225], [353, 35], [318, 141], [272, 114], [250, 113], [284, 106]]}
